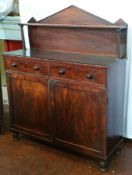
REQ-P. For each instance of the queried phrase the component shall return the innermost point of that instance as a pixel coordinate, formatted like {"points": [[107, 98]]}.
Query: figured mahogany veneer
{"points": [[68, 71], [28, 66], [91, 34], [68, 89], [78, 72]]}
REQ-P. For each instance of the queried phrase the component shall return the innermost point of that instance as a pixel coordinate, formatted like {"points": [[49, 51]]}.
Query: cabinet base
{"points": [[103, 164], [16, 136], [0, 129], [118, 150]]}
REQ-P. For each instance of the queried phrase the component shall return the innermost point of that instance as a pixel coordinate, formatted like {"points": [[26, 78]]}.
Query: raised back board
{"points": [[75, 30]]}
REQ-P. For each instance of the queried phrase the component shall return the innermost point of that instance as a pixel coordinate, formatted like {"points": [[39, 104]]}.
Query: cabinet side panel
{"points": [[122, 42], [116, 92]]}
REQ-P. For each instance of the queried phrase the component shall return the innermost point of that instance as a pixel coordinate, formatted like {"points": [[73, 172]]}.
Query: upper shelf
{"points": [[75, 17], [75, 26], [77, 31]]}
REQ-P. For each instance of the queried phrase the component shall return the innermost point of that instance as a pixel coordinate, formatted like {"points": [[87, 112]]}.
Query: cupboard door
{"points": [[79, 116], [29, 105]]}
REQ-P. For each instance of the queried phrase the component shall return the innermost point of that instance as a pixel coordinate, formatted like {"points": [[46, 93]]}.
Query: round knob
{"points": [[62, 71], [14, 64], [89, 76], [36, 68]]}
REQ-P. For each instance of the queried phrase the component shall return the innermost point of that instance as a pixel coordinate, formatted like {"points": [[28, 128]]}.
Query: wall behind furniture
{"points": [[110, 10]]}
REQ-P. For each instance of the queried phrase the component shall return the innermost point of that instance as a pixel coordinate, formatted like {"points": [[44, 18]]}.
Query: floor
{"points": [[32, 157]]}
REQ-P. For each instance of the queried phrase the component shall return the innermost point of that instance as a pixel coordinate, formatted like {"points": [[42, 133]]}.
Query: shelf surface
{"points": [[63, 56], [75, 26]]}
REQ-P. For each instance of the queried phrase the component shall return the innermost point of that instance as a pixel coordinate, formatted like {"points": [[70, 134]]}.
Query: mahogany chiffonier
{"points": [[68, 88]]}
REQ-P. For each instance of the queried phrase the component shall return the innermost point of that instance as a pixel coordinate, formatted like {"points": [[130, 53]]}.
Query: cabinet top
{"points": [[75, 30], [75, 35], [61, 56]]}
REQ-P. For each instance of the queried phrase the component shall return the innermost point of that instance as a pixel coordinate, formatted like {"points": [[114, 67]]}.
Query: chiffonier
{"points": [[68, 88]]}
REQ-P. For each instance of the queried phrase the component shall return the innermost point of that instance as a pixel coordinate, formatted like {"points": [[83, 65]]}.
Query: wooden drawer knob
{"points": [[89, 76], [36, 67], [14, 64], [62, 71]]}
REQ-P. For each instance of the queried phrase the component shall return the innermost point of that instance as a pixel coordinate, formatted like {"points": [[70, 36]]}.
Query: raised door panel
{"points": [[29, 105], [79, 116]]}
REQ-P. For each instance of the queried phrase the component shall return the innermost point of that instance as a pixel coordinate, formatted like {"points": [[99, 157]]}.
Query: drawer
{"points": [[79, 72], [62, 70], [93, 74], [28, 66]]}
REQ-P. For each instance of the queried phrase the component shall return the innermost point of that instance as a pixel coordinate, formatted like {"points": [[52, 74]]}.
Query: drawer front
{"points": [[78, 72], [91, 74], [62, 70], [33, 67]]}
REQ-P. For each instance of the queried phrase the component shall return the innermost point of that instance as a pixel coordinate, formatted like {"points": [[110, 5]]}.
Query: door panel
{"points": [[30, 104], [79, 115]]}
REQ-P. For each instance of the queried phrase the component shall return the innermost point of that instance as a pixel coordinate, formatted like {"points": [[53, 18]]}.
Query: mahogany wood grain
{"points": [[75, 107], [28, 66], [74, 15], [78, 72], [63, 30], [68, 89], [73, 57], [67, 40], [28, 116]]}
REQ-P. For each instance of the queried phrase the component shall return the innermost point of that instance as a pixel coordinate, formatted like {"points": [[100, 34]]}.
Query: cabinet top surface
{"points": [[62, 56]]}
